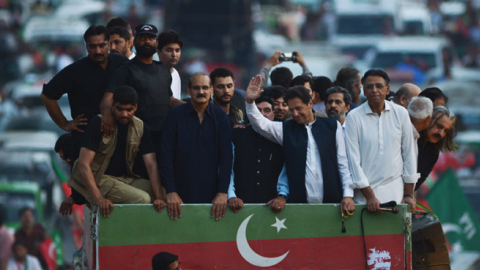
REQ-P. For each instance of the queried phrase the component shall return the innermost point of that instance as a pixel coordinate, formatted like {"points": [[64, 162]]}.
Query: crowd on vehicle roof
{"points": [[303, 139]]}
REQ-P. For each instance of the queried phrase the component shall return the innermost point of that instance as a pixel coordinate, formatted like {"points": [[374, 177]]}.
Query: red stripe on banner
{"points": [[409, 261], [387, 251]]}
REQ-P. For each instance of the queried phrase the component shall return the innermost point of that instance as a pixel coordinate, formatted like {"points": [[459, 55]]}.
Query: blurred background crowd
{"points": [[426, 42]]}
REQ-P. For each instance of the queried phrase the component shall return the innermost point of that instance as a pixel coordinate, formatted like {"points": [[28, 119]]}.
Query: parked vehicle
{"points": [[360, 25]]}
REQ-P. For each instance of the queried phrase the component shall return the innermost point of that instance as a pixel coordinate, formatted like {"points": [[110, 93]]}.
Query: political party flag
{"points": [[459, 222], [47, 249], [302, 236]]}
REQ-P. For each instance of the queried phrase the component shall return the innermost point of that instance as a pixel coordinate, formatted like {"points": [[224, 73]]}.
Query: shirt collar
{"points": [[313, 122], [416, 135], [368, 110], [191, 109]]}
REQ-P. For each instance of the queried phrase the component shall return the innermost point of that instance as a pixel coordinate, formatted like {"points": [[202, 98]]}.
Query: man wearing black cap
{"points": [[151, 80], [165, 261]]}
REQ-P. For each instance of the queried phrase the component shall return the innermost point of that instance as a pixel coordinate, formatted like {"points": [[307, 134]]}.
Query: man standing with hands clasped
{"points": [[315, 159], [381, 147]]}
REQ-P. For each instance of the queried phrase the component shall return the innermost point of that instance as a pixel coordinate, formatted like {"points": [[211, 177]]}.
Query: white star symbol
{"points": [[279, 224]]}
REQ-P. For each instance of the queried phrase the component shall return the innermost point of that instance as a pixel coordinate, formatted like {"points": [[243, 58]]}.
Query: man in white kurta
{"points": [[380, 147]]}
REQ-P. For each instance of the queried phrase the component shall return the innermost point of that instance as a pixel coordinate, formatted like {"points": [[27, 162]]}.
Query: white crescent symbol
{"points": [[248, 254]]}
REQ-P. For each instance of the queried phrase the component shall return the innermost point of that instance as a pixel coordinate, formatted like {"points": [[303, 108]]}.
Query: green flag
{"points": [[459, 222]]}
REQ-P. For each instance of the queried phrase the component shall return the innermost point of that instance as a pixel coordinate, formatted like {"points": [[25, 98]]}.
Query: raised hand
{"points": [[273, 60], [253, 89]]}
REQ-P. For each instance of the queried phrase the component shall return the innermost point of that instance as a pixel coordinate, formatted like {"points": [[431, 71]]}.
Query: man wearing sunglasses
{"points": [[380, 147]]}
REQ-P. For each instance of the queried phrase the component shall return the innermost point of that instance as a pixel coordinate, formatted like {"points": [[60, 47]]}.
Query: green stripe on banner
{"points": [[142, 225]]}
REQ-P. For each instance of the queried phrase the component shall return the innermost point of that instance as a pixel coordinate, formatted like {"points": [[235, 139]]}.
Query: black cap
{"points": [[146, 29], [162, 260]]}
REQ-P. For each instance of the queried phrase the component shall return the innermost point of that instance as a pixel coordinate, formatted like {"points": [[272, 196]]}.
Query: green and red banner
{"points": [[302, 236]]}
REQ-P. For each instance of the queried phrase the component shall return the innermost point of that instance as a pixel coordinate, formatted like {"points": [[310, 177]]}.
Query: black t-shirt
{"points": [[153, 85], [117, 166], [85, 82]]}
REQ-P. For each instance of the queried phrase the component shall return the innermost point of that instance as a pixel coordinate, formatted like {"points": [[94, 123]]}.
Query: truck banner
{"points": [[302, 236]]}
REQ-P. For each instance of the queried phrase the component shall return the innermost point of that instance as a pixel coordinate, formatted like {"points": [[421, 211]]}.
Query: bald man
{"points": [[405, 94]]}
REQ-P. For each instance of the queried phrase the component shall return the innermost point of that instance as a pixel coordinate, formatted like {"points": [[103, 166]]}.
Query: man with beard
{"points": [[316, 163], [151, 80], [280, 108], [103, 172], [120, 41], [438, 136], [337, 104], [223, 83], [169, 50], [197, 152]]}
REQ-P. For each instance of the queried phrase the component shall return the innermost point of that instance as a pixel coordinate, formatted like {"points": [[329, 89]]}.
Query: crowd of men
{"points": [[303, 139]]}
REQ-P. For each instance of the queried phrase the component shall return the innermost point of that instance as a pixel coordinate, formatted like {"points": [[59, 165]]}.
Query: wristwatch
{"points": [[408, 195], [283, 196]]}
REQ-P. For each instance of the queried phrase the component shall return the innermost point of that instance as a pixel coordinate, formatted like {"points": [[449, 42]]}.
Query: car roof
{"points": [[54, 29], [411, 44], [22, 157], [27, 90], [20, 140]]}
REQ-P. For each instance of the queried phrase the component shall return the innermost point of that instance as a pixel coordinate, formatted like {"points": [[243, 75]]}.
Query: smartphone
{"points": [[288, 57]]}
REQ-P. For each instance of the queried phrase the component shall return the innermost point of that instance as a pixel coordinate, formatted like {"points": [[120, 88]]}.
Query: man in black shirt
{"points": [[438, 136], [84, 81], [257, 163], [151, 80], [103, 172]]}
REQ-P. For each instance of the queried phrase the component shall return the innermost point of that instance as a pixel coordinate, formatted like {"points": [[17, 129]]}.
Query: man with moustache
{"points": [[103, 172], [196, 152], [151, 80], [121, 42], [438, 136], [84, 81], [223, 83], [169, 50], [337, 104], [315, 159]]}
